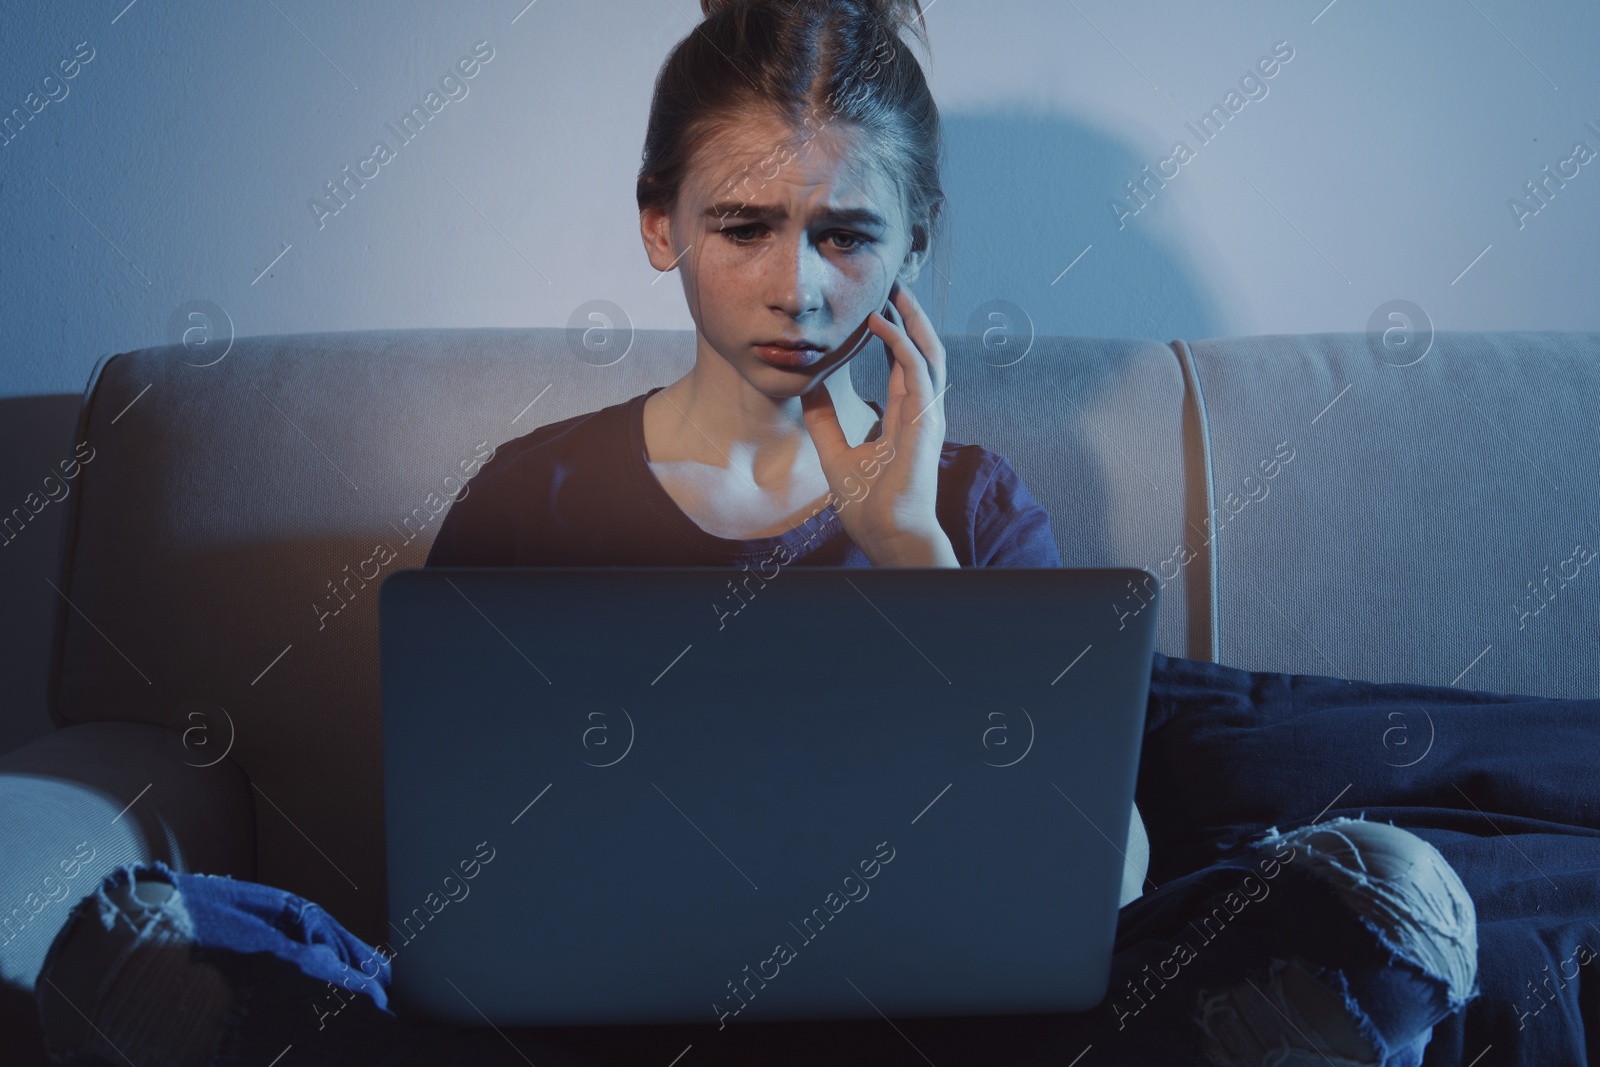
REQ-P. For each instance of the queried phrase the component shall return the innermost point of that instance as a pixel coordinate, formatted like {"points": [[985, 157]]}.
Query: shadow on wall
{"points": [[35, 439], [1029, 196], [1026, 195]]}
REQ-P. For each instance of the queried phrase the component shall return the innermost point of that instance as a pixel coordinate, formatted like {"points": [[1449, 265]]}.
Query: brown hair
{"points": [[812, 62]]}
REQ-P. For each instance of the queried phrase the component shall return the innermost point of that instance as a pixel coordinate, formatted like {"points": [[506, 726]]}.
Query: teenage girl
{"points": [[791, 177]]}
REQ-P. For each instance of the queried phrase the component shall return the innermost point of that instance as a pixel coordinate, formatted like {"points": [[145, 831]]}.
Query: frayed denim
{"points": [[1341, 943], [159, 967], [1409, 900]]}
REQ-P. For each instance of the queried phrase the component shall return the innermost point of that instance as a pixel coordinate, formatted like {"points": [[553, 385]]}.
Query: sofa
{"points": [[1339, 504]]}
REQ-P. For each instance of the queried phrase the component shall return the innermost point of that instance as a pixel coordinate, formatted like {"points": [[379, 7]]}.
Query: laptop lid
{"points": [[613, 797]]}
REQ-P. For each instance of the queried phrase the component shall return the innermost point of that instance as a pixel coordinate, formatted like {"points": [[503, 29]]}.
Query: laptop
{"points": [[695, 794]]}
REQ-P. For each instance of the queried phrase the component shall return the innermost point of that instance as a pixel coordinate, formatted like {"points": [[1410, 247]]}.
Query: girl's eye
{"points": [[740, 235], [859, 242], [746, 235]]}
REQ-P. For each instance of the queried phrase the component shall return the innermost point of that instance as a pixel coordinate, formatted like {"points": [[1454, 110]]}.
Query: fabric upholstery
{"points": [[231, 507], [84, 800], [1406, 537]]}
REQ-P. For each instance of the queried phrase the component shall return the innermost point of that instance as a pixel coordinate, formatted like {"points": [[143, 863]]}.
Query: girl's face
{"points": [[782, 237]]}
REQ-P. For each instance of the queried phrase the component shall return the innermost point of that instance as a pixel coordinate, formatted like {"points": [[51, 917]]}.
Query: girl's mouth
{"points": [[788, 357]]}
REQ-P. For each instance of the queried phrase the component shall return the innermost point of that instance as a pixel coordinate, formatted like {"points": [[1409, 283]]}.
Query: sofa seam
{"points": [[1194, 398], [65, 547]]}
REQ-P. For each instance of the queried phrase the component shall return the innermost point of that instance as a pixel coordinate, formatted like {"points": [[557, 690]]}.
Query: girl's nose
{"points": [[796, 284]]}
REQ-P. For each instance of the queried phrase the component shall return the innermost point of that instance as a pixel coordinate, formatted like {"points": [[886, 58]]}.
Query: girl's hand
{"points": [[887, 488]]}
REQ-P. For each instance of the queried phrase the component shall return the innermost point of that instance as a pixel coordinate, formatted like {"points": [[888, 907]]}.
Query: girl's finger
{"points": [[915, 385], [822, 420], [904, 350], [921, 391], [920, 329], [900, 344]]}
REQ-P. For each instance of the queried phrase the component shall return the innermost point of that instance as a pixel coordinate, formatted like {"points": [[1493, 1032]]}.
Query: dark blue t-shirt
{"points": [[580, 492]]}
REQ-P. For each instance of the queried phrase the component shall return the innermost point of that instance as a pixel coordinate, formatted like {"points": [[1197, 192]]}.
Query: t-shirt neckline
{"points": [[686, 527]]}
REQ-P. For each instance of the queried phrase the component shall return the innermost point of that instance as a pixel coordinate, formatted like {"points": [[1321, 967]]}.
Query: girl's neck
{"points": [[725, 421]]}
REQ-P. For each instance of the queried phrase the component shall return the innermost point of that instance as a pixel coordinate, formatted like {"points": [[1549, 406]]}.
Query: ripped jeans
{"points": [[1340, 943]]}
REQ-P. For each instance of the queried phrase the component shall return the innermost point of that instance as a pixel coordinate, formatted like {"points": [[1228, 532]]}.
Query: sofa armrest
{"points": [[86, 799]]}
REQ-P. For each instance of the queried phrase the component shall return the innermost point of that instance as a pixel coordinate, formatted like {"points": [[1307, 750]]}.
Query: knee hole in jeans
{"points": [[120, 981], [1407, 891]]}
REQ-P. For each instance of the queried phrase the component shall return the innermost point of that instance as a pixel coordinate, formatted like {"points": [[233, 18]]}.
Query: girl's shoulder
{"points": [[979, 470], [557, 445]]}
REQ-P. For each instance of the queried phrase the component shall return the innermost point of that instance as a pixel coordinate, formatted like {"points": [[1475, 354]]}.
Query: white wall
{"points": [[1378, 165], [182, 158]]}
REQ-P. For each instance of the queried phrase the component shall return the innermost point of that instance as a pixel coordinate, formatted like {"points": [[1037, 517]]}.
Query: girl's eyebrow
{"points": [[857, 216]]}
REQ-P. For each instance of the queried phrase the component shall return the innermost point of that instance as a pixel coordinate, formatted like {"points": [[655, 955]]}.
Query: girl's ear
{"points": [[912, 267], [655, 228], [919, 239]]}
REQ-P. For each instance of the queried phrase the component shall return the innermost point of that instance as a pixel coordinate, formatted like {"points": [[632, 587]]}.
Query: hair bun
{"points": [[895, 13]]}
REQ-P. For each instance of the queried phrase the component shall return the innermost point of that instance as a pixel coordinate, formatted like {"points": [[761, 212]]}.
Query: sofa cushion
{"points": [[228, 541], [1428, 522], [84, 800]]}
